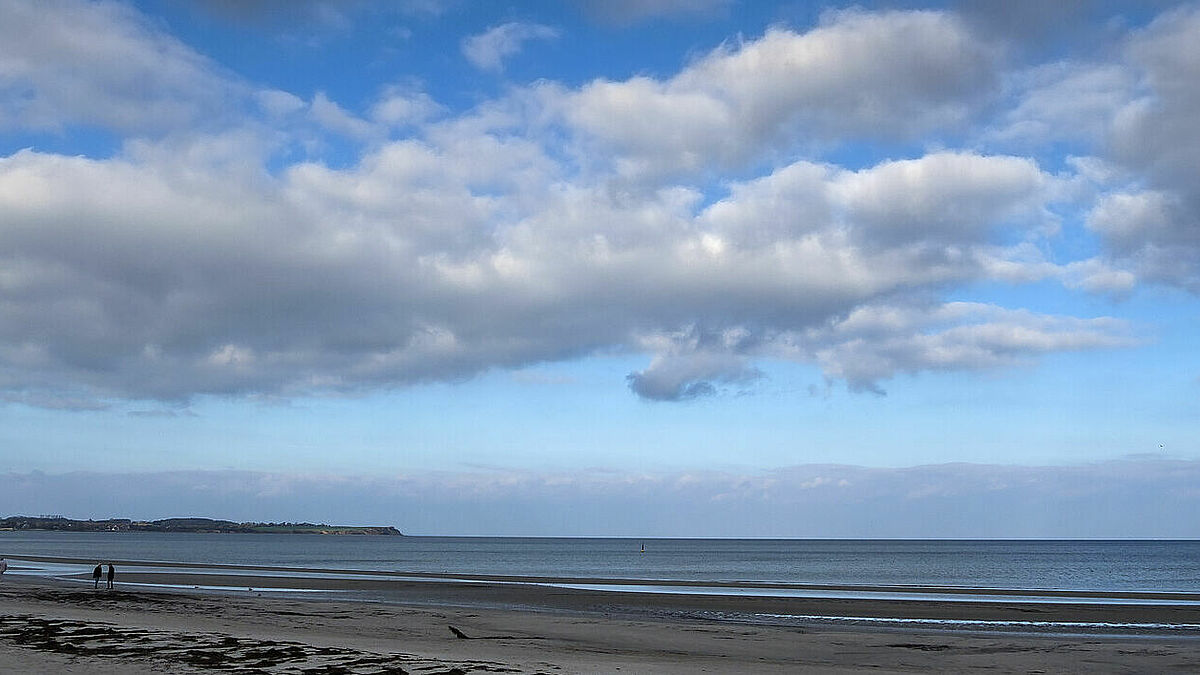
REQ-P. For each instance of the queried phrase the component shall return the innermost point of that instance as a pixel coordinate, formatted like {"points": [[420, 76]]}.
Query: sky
{"points": [[585, 267]]}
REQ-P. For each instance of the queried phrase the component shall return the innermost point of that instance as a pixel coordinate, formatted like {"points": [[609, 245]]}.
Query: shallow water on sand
{"points": [[1081, 565]]}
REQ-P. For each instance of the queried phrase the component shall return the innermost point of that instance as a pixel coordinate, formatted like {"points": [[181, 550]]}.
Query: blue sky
{"points": [[513, 246]]}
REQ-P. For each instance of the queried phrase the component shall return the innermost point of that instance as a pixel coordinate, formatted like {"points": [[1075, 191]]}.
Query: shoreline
{"points": [[1122, 612], [1182, 597]]}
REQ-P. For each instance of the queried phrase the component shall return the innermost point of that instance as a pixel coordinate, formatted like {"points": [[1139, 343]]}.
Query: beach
{"points": [[200, 620]]}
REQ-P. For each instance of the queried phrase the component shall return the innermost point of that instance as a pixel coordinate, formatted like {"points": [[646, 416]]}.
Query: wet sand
{"points": [[53, 625]]}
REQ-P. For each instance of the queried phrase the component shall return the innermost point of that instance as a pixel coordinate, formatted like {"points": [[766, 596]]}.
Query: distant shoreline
{"points": [[190, 525]]}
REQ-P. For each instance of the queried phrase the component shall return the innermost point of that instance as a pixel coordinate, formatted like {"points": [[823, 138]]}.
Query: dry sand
{"points": [[55, 626]]}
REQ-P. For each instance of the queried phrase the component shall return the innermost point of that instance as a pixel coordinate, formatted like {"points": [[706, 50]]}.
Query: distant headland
{"points": [[209, 525]]}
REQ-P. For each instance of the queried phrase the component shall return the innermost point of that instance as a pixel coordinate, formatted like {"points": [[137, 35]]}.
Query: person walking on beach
{"points": [[111, 573], [3, 566], [96, 576]]}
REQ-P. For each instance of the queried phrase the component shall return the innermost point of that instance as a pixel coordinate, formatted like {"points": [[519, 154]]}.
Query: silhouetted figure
{"points": [[96, 575], [111, 573], [3, 565]]}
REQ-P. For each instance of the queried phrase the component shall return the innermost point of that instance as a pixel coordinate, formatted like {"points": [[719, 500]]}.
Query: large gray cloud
{"points": [[144, 278], [182, 266], [1141, 498]]}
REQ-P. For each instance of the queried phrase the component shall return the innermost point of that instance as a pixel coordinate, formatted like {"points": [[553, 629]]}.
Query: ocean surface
{"points": [[1022, 564]]}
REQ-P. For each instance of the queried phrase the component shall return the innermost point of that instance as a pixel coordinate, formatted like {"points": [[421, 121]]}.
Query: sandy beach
{"points": [[382, 625]]}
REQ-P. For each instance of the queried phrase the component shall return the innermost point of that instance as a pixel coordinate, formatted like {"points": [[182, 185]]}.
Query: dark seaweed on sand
{"points": [[210, 651]]}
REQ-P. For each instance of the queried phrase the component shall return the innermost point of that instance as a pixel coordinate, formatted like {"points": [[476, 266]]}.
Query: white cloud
{"points": [[100, 63], [1066, 101], [877, 342], [334, 118], [488, 50], [278, 103], [1097, 276], [400, 107], [947, 197], [1127, 220], [863, 74]]}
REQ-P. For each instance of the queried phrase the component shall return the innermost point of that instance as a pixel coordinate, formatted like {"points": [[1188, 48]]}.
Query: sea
{"points": [[1084, 565]]}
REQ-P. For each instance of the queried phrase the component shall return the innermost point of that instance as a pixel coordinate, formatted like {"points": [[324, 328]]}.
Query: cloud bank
{"points": [[1126, 498]]}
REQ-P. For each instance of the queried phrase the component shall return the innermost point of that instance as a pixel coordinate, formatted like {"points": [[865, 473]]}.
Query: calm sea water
{"points": [[1082, 565]]}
